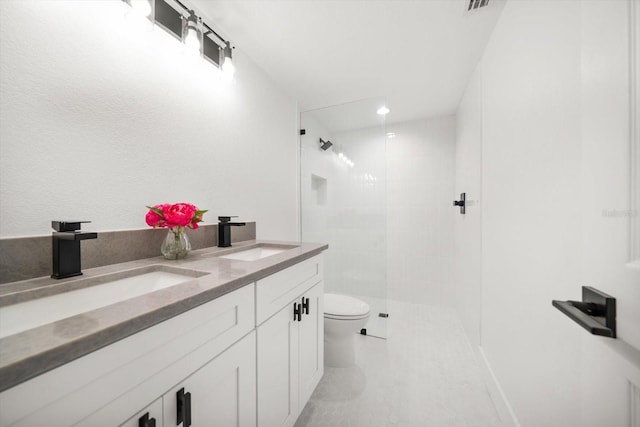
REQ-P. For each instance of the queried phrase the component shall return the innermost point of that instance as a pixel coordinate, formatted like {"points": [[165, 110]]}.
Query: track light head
{"points": [[227, 65], [192, 33]]}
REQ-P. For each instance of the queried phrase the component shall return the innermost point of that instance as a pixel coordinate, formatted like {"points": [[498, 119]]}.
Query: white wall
{"points": [[531, 229], [468, 227], [421, 190], [98, 119]]}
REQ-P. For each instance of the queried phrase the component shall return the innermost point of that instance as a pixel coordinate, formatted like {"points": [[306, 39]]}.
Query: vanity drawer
{"points": [[276, 291]]}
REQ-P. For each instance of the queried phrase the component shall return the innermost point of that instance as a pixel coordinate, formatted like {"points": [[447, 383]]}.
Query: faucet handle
{"points": [[226, 218], [67, 225]]}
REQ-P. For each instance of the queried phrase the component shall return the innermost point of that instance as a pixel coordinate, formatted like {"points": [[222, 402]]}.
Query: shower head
{"points": [[325, 144]]}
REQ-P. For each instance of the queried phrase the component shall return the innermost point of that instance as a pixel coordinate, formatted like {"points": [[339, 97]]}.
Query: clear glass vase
{"points": [[176, 245]]}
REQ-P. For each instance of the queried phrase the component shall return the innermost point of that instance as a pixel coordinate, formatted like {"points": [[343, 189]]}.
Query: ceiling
{"points": [[418, 54]]}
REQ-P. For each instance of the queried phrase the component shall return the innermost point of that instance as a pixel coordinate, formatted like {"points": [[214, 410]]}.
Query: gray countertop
{"points": [[32, 352]]}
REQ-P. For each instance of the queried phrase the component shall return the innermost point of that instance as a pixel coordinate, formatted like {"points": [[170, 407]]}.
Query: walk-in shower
{"points": [[343, 200]]}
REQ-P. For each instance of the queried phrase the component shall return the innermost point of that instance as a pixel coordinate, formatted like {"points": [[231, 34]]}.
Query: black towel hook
{"points": [[462, 203]]}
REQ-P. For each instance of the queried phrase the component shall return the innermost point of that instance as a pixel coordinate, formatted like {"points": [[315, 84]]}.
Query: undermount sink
{"points": [[96, 292], [253, 254], [256, 252]]}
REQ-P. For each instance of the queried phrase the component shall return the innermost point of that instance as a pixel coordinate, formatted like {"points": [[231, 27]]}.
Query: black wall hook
{"points": [[462, 203]]}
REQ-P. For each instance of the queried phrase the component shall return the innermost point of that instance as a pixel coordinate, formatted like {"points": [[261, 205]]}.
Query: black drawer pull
{"points": [[183, 413], [297, 312], [145, 421]]}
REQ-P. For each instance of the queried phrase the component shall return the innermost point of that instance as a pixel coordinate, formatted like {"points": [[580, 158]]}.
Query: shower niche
{"points": [[343, 200], [318, 190]]}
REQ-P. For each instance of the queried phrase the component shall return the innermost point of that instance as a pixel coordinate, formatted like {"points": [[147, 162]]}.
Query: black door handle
{"points": [[305, 305], [596, 312], [183, 413], [145, 421]]}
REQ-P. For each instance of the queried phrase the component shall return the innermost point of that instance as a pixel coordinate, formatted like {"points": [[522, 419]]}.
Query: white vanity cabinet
{"points": [[249, 358], [290, 341], [111, 386]]}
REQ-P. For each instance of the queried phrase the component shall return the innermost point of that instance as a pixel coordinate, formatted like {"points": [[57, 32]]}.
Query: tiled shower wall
{"points": [[420, 215], [345, 206], [359, 214], [389, 219]]}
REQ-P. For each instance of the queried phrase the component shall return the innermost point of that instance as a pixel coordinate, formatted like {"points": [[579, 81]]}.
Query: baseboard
{"points": [[504, 409]]}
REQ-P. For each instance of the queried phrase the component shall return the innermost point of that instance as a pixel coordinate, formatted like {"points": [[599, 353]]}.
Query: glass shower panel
{"points": [[343, 200]]}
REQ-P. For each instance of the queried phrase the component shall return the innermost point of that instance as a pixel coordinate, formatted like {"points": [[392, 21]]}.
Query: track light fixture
{"points": [[183, 23], [227, 66], [192, 33]]}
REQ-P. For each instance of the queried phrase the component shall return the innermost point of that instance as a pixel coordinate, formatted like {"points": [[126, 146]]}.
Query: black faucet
{"points": [[224, 230], [66, 248]]}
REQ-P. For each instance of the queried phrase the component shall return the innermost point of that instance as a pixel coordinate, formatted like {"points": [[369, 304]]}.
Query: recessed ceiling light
{"points": [[391, 135], [383, 111]]}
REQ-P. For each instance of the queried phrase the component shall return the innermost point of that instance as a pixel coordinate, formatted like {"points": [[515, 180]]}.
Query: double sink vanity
{"points": [[227, 336]]}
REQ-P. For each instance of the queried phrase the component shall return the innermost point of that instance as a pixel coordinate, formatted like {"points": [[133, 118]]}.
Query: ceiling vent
{"points": [[477, 4]]}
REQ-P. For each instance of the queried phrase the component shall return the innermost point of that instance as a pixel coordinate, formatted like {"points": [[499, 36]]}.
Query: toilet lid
{"points": [[344, 306]]}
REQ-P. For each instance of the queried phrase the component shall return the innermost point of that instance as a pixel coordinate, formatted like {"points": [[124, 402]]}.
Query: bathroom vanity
{"points": [[238, 342]]}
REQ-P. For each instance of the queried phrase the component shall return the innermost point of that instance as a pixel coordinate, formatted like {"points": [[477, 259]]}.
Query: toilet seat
{"points": [[334, 317], [344, 307]]}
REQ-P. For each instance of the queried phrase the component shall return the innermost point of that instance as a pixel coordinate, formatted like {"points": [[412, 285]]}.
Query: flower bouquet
{"points": [[176, 217]]}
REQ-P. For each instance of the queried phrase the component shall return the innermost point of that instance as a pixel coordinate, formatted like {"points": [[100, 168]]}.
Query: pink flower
{"points": [[154, 219], [176, 215], [180, 214]]}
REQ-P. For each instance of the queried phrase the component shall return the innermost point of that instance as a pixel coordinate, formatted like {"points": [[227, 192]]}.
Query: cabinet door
{"points": [[311, 333], [278, 369], [151, 416], [221, 393]]}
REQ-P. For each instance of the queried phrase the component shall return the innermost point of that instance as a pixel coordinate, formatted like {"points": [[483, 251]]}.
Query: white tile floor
{"points": [[425, 374]]}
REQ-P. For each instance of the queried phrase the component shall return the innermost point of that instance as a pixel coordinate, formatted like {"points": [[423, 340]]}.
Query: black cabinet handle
{"points": [[145, 421], [305, 305], [297, 312], [184, 408]]}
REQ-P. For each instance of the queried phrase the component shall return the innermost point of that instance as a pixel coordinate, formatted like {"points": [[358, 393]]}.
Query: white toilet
{"points": [[344, 316]]}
